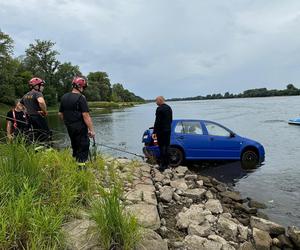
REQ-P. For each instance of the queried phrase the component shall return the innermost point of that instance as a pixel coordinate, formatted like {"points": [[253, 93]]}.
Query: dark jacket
{"points": [[163, 119]]}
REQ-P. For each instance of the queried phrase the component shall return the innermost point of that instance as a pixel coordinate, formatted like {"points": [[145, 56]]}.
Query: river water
{"points": [[276, 183]]}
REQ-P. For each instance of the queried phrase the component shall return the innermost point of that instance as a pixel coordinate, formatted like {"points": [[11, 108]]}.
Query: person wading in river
{"points": [[162, 130], [74, 112]]}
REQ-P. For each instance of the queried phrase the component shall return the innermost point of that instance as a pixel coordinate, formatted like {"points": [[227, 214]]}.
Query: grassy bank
{"points": [[40, 191]]}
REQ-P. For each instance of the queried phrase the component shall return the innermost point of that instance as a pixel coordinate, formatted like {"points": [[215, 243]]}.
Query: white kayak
{"points": [[295, 121]]}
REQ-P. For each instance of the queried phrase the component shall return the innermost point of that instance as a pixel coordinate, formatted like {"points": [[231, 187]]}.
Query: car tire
{"points": [[175, 157], [250, 158]]}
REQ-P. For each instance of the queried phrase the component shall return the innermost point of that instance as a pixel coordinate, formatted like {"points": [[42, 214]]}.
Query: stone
{"points": [[151, 240], [192, 215], [262, 239], [232, 195], [211, 218], [196, 193], [179, 184], [199, 183], [217, 238], [228, 247], [276, 242], [221, 188], [266, 225], [285, 241], [181, 170], [194, 242], [166, 193], [209, 195], [214, 206], [178, 244], [142, 193], [228, 228], [256, 204], [158, 177], [176, 197], [166, 181], [163, 222], [146, 214], [191, 177], [243, 231], [201, 230], [244, 208], [294, 234], [246, 246], [80, 235]]}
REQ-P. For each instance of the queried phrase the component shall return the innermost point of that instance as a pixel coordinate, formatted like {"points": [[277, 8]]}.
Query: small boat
{"points": [[295, 121]]}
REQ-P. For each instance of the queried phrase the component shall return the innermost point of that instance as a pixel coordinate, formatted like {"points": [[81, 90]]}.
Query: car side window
{"points": [[214, 129], [179, 128], [191, 127]]}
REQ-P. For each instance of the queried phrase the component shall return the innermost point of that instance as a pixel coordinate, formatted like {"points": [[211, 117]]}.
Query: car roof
{"points": [[196, 120]]}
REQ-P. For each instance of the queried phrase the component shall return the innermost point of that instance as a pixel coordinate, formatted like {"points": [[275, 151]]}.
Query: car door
{"points": [[222, 142], [189, 135]]}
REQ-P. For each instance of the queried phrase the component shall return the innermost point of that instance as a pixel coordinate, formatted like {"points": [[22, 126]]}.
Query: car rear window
{"points": [[189, 127]]}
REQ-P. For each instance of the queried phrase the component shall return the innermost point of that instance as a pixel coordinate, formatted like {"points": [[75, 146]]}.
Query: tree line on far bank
{"points": [[258, 92], [40, 60]]}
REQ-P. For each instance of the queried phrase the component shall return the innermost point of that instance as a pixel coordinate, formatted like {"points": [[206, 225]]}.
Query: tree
{"points": [[101, 83]]}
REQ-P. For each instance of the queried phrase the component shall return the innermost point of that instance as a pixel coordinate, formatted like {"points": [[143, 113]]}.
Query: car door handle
{"points": [[180, 137]]}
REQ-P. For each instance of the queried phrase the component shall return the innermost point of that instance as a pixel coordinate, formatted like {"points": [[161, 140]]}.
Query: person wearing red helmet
{"points": [[74, 111], [36, 107]]}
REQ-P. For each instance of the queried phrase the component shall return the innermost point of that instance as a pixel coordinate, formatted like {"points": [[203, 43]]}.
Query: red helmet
{"points": [[36, 81], [79, 82]]}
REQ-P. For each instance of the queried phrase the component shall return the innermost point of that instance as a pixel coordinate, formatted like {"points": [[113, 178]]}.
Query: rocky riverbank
{"points": [[183, 210]]}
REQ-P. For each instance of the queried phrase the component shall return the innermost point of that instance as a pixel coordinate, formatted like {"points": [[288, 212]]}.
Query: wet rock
{"points": [[245, 208], [232, 195], [266, 225], [147, 215], [194, 242], [196, 193], [166, 193], [256, 204], [214, 206], [80, 235], [262, 239], [192, 215], [294, 234], [262, 215], [201, 230], [227, 227], [285, 241], [151, 240], [179, 184]]}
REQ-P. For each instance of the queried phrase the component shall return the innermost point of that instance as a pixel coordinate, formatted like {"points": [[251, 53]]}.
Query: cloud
{"points": [[173, 48]]}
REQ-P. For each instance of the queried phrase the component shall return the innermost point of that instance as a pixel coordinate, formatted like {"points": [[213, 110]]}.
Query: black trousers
{"points": [[80, 141], [163, 139], [40, 130]]}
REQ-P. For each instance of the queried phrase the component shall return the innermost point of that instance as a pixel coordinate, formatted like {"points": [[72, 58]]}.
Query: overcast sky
{"points": [[174, 48]]}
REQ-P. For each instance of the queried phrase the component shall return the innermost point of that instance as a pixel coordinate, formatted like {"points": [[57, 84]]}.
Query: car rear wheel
{"points": [[175, 157], [250, 158]]}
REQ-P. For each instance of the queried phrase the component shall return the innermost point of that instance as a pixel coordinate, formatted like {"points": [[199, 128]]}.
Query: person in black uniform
{"points": [[74, 112], [16, 121], [36, 108], [162, 130]]}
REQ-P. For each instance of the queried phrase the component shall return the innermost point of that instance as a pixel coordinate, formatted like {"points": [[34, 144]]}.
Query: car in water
{"points": [[204, 140]]}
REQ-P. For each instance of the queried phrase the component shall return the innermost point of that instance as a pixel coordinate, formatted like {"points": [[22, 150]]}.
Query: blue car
{"points": [[204, 140]]}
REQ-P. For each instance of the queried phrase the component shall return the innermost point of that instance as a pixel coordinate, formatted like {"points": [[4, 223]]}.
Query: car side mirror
{"points": [[232, 135]]}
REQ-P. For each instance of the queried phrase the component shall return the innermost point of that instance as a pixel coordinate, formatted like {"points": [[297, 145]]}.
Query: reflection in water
{"points": [[227, 172]]}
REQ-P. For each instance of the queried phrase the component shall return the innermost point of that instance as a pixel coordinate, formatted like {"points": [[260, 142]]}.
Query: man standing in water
{"points": [[74, 112], [36, 108], [162, 130]]}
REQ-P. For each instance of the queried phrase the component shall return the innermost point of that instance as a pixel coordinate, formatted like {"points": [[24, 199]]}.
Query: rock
{"points": [[211, 218], [146, 214], [179, 192], [217, 238], [178, 244], [246, 246], [205, 179], [191, 177], [294, 234], [209, 195], [266, 225], [80, 235], [194, 242], [196, 193], [151, 240], [214, 206], [199, 183], [181, 170], [276, 248], [163, 222], [256, 204], [245, 208], [192, 215], [232, 195], [179, 184], [166, 181], [262, 239], [262, 215], [243, 231], [228, 247], [158, 177], [221, 187], [285, 241], [201, 230], [227, 227], [166, 193], [176, 197], [163, 230], [142, 193]]}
